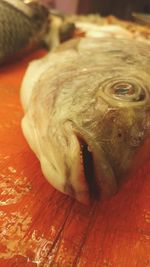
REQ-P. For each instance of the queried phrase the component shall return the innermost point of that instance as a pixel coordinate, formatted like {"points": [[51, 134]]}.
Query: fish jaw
{"points": [[64, 170]]}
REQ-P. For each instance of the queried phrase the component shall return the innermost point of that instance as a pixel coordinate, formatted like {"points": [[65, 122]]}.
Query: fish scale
{"points": [[17, 30]]}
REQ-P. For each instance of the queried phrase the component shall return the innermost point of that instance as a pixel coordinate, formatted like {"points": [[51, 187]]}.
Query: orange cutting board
{"points": [[40, 226]]}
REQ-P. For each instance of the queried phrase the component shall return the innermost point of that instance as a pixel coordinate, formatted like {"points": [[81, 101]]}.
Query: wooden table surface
{"points": [[39, 226]]}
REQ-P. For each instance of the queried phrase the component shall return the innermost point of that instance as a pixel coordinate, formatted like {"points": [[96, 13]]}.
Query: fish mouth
{"points": [[98, 174], [87, 162]]}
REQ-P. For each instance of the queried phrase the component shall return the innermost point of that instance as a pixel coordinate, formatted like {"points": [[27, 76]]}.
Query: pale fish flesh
{"points": [[87, 114]]}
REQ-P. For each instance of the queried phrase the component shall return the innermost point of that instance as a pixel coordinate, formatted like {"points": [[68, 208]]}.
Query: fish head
{"points": [[92, 114]]}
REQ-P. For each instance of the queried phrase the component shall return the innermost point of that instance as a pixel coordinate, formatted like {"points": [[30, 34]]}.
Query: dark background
{"points": [[120, 8]]}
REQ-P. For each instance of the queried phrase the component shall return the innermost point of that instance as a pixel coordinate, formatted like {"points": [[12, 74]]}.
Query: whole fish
{"points": [[87, 114], [22, 27]]}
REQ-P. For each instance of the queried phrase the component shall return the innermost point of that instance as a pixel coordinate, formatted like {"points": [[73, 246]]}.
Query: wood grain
{"points": [[40, 226]]}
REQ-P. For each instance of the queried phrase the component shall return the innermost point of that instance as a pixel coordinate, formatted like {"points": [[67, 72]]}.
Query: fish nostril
{"points": [[89, 170]]}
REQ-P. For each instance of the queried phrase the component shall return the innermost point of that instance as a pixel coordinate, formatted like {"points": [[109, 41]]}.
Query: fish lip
{"points": [[103, 183]]}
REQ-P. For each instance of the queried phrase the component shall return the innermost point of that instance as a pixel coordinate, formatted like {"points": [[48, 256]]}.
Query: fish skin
{"points": [[21, 28], [93, 91]]}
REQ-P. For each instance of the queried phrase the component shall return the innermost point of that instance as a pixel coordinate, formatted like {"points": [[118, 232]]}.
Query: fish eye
{"points": [[127, 91], [122, 91]]}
